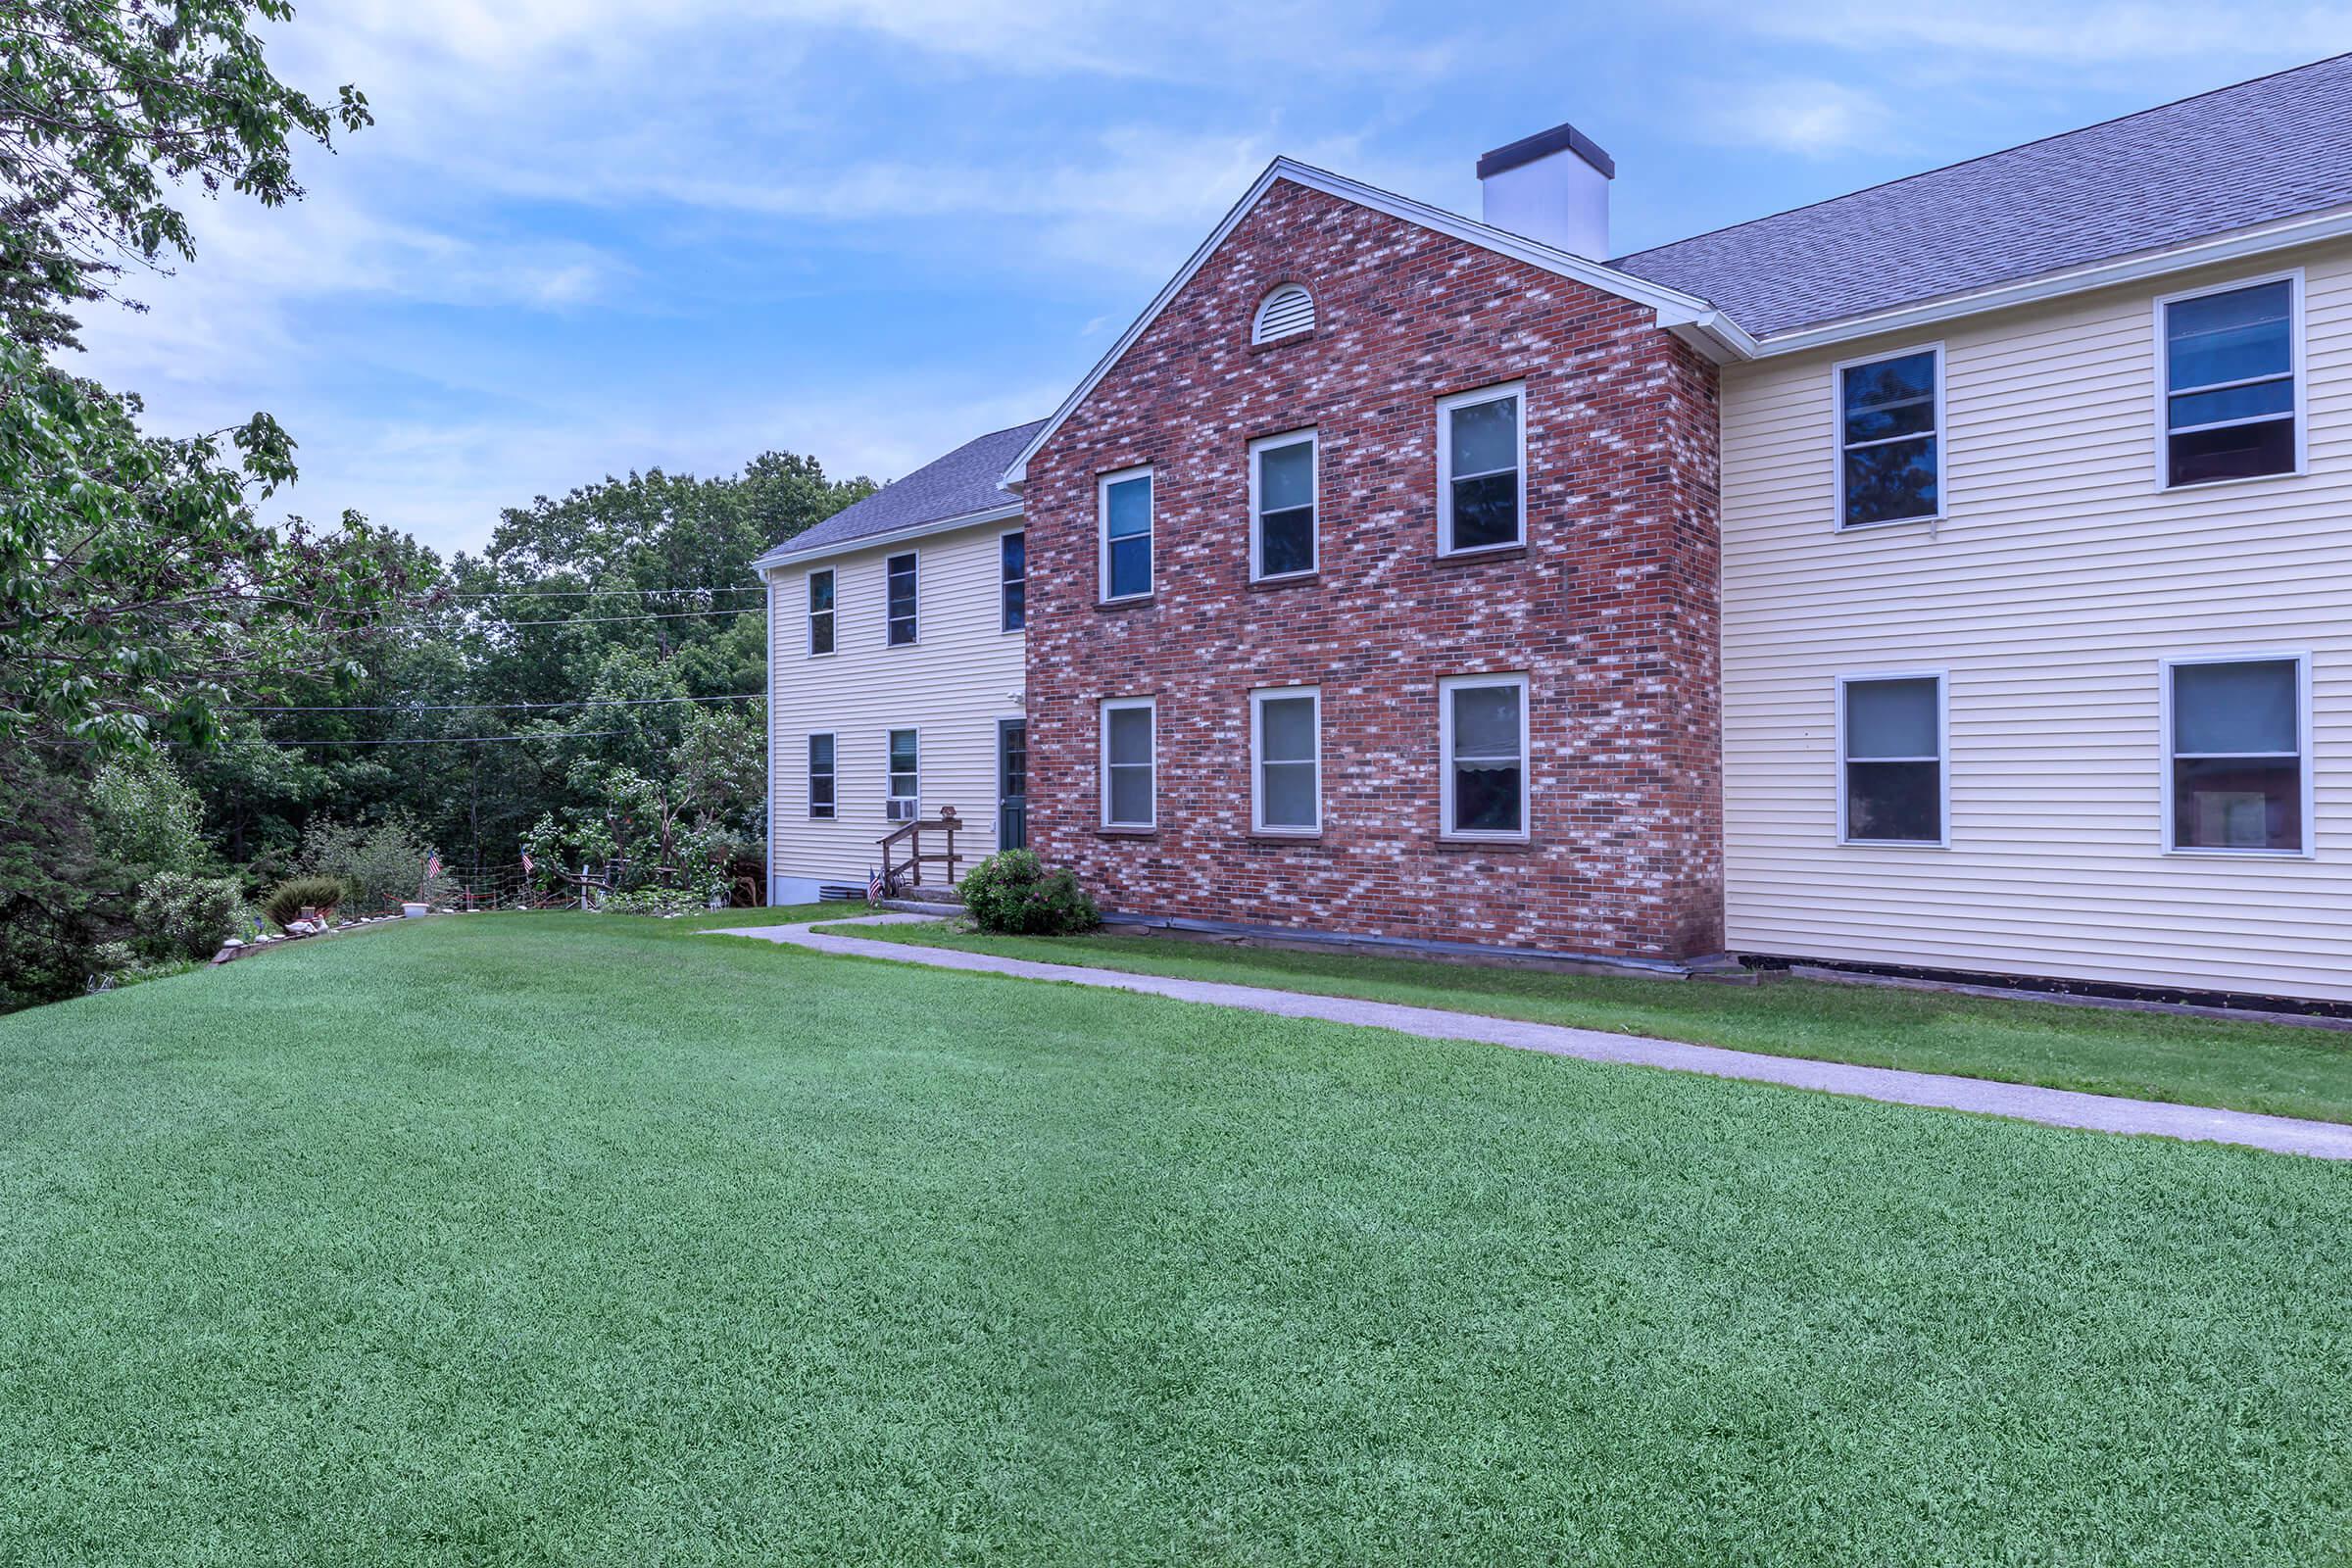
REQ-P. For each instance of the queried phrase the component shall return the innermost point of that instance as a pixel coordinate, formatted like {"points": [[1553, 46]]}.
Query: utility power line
{"points": [[460, 740], [600, 593], [462, 708]]}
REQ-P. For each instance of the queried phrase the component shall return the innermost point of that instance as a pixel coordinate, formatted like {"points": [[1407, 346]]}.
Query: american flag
{"points": [[433, 866], [527, 863], [873, 887]]}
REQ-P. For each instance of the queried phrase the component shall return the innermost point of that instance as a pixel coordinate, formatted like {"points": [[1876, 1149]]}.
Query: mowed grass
{"points": [[2282, 1069], [565, 1239]]}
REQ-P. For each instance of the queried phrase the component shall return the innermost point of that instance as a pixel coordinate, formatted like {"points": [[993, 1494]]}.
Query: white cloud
{"points": [[2021, 30], [1790, 114]]}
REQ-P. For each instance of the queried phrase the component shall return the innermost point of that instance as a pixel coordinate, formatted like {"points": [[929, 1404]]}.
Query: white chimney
{"points": [[1554, 187]]}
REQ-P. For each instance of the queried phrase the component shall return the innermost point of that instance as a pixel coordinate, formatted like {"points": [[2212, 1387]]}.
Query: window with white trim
{"points": [[1130, 763], [1285, 312], [1012, 581], [1123, 501], [1890, 439], [820, 775], [820, 611], [1285, 741], [900, 598], [1483, 747], [2232, 394], [905, 764], [1281, 505], [1481, 463], [1891, 758], [2237, 754]]}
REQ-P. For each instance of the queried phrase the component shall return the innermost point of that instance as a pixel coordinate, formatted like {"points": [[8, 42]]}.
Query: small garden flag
{"points": [[873, 887]]}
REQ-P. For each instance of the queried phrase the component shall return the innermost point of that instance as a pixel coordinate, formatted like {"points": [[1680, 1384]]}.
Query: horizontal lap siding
{"points": [[953, 685], [2057, 581]]}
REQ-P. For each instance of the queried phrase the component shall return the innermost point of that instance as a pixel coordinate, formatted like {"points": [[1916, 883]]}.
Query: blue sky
{"points": [[579, 241]]}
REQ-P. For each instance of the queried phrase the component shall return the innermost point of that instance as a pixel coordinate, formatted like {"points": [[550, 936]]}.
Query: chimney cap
{"points": [[1543, 144]]}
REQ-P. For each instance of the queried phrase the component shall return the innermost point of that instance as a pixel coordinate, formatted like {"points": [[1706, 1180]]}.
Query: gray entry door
{"points": [[1013, 784]]}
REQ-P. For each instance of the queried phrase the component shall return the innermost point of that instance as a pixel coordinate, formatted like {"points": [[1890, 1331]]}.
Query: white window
{"points": [[1890, 746], [906, 772], [2237, 764], [1130, 753], [820, 611], [2229, 401], [1482, 469], [1285, 741], [1124, 502], [900, 601], [1283, 486], [1483, 745], [1891, 438], [820, 775], [1286, 311], [1012, 581]]}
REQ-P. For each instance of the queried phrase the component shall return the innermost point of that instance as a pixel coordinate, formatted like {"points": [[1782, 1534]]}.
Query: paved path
{"points": [[2057, 1107]]}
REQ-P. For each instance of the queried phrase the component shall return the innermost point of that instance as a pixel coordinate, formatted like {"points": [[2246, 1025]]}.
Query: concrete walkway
{"points": [[2055, 1108]]}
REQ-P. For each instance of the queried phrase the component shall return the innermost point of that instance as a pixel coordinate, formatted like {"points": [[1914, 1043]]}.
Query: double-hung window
{"points": [[899, 597], [1130, 763], [1891, 731], [1281, 505], [2238, 769], [1481, 468], [820, 611], [1891, 438], [820, 775], [905, 772], [1287, 760], [1012, 582], [1483, 746], [1123, 501], [2231, 389]]}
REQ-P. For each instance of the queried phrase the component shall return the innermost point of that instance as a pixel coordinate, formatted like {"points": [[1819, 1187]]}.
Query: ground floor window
{"points": [[906, 774], [820, 775], [1891, 758], [1286, 740], [1483, 738], [2237, 766], [1130, 763]]}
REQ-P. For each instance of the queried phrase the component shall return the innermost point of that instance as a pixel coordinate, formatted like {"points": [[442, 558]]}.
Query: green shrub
{"points": [[182, 916], [1013, 894], [654, 900], [142, 813], [382, 863], [287, 899]]}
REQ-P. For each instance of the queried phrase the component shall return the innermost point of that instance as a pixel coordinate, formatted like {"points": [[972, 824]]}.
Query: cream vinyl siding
{"points": [[953, 685], [2058, 580]]}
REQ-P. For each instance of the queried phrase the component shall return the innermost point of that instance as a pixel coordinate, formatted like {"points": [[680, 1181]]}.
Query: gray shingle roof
{"points": [[2226, 159], [962, 482]]}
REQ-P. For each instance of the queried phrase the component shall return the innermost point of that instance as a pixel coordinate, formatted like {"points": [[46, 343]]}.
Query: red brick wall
{"points": [[1611, 609]]}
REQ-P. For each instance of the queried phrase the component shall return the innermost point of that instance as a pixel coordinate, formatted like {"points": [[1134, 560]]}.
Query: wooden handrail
{"points": [[912, 834]]}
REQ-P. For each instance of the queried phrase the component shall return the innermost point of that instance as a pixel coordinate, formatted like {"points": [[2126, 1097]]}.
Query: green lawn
{"points": [[2284, 1069], [538, 1239]]}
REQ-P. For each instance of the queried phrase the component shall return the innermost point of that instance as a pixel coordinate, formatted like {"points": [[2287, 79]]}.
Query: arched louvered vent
{"points": [[1289, 309]]}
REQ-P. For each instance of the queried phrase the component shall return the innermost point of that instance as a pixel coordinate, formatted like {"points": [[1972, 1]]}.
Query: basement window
{"points": [[1285, 313], [1130, 763], [2237, 777], [2233, 385], [1890, 439], [1482, 742], [900, 600], [1891, 774]]}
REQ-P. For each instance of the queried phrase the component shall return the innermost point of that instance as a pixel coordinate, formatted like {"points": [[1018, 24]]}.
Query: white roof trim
{"points": [[785, 556], [1670, 303], [2334, 224]]}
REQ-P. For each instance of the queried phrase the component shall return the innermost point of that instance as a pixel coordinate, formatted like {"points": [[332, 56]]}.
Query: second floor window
{"points": [[820, 611], [1481, 462], [899, 598], [2229, 394], [1890, 439], [1124, 499], [1012, 582], [1281, 505]]}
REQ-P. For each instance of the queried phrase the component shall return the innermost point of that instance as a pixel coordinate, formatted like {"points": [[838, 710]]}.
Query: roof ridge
{"points": [[1997, 152]]}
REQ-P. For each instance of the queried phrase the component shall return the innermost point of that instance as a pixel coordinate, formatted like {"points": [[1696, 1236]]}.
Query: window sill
{"points": [[1447, 844], [1471, 557], [1266, 835], [1843, 530], [2164, 489], [1285, 341], [1127, 832], [2240, 855], [1894, 844], [1131, 602], [1289, 579]]}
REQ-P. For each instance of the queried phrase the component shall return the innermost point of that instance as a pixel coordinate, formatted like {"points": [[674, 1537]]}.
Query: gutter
{"points": [[785, 556]]}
